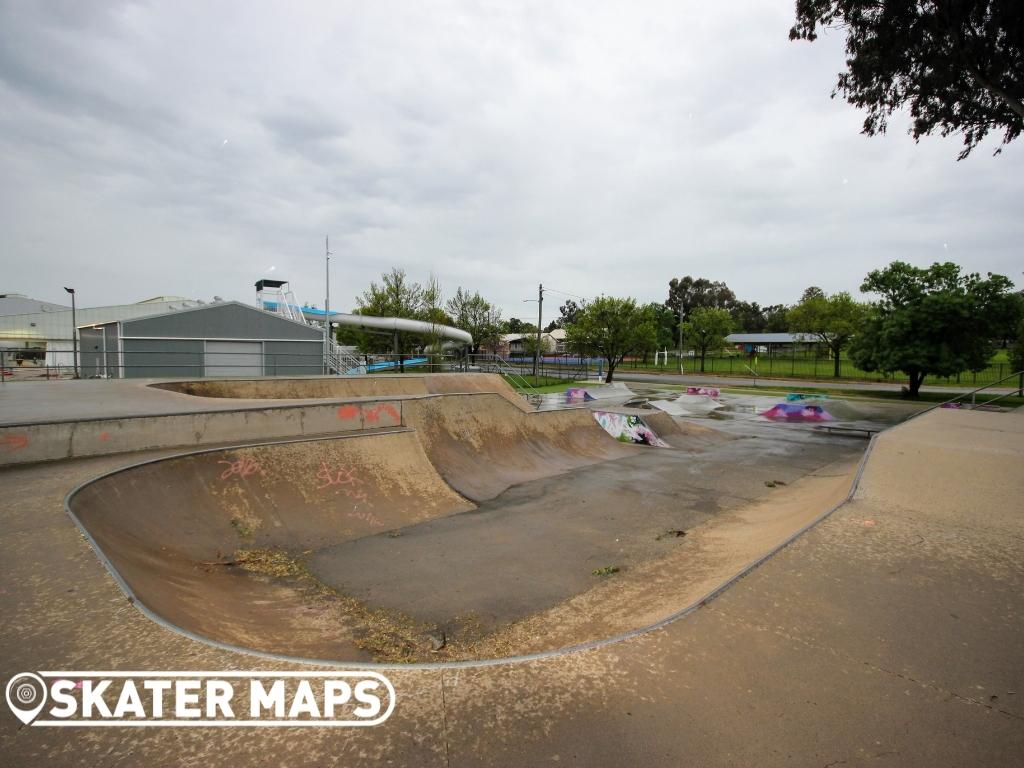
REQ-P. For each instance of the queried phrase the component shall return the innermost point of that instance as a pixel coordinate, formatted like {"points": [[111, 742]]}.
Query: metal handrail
{"points": [[972, 394], [505, 368]]}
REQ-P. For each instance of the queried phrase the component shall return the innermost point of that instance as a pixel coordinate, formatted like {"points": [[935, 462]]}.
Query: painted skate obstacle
{"points": [[798, 413], [628, 428]]}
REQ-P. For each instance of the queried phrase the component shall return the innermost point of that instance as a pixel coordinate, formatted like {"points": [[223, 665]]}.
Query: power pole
{"points": [[327, 305], [540, 314]]}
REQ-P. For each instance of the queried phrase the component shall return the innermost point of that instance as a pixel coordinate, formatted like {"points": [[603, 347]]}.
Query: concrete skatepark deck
{"points": [[836, 648]]}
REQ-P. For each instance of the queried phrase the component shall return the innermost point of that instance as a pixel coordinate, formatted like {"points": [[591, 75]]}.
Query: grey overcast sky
{"points": [[188, 148]]}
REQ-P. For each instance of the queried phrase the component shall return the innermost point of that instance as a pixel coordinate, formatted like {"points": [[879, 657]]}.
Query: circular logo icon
{"points": [[26, 696]]}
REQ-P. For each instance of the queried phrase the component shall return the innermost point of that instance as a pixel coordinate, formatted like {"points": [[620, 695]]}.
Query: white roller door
{"points": [[234, 358]]}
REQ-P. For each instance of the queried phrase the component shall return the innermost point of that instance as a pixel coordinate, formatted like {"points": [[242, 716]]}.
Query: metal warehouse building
{"points": [[226, 339]]}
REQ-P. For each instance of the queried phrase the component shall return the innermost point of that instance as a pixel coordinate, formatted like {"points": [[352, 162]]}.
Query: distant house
{"points": [[515, 344], [558, 343], [769, 343]]}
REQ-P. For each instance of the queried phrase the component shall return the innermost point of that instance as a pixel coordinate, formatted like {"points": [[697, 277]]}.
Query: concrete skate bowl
{"points": [[474, 532], [333, 387]]}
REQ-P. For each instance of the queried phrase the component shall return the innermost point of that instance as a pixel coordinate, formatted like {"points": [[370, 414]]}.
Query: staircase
{"points": [[341, 362]]}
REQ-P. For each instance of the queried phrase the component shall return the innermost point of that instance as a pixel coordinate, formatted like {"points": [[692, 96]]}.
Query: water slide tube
{"points": [[371, 323]]}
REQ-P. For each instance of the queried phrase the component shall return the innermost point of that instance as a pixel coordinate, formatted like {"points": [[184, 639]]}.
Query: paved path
{"points": [[891, 634], [68, 400], [624, 374]]}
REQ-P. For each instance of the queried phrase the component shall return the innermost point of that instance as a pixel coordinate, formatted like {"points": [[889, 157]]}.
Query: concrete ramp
{"points": [[671, 407], [175, 529], [483, 444], [978, 456], [217, 541], [345, 386], [628, 428], [614, 391]]}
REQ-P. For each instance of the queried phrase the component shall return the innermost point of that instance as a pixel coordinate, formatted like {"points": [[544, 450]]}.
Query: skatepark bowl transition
{"points": [[438, 522]]}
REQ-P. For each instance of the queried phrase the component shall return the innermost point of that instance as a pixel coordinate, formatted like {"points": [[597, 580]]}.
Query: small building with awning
{"points": [[770, 343]]}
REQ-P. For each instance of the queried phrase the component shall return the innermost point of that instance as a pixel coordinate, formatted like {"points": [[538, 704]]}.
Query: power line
{"points": [[566, 293]]}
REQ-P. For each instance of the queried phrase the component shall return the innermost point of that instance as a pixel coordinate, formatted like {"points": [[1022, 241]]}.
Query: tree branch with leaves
{"points": [[957, 66], [612, 328]]}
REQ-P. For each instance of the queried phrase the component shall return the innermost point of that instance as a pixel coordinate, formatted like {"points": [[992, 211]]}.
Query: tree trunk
{"points": [[915, 381], [838, 363], [702, 353], [611, 371]]}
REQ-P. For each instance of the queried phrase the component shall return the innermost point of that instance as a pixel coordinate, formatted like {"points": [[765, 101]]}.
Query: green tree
{"points": [[568, 313], [473, 313], [665, 324], [929, 321], [530, 345], [706, 330], [612, 328], [1017, 357], [776, 318], [687, 293], [812, 292], [749, 317], [834, 320], [397, 296], [1009, 313], [954, 65]]}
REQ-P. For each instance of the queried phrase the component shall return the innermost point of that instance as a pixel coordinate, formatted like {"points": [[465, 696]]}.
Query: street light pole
{"points": [[74, 330], [327, 307], [540, 314]]}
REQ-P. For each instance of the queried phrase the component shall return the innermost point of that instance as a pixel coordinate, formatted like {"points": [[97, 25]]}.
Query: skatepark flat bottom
{"points": [[540, 542]]}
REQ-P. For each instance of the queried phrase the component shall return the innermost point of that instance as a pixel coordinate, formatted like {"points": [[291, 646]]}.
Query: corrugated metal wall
{"points": [[220, 340], [293, 358], [145, 358]]}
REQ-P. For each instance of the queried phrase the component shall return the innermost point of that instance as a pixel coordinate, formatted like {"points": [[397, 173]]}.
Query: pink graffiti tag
{"points": [[243, 467], [367, 517], [345, 477]]}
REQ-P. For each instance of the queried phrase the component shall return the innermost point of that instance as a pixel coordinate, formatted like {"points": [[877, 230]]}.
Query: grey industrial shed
{"points": [[223, 339]]}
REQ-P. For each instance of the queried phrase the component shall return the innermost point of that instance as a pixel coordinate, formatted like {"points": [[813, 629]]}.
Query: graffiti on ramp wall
{"points": [[577, 395], [795, 412], [628, 429]]}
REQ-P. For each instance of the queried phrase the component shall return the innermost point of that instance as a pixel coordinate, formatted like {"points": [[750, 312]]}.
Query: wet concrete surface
{"points": [[538, 543], [888, 635]]}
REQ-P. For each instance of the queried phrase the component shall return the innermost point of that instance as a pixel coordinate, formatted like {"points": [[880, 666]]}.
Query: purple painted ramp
{"points": [[794, 412]]}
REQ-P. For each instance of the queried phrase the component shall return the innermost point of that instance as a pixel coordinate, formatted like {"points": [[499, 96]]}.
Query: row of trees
{"points": [[935, 320], [926, 321]]}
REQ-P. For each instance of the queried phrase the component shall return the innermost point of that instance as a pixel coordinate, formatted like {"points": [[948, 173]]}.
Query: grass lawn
{"points": [[803, 367], [856, 394], [544, 384]]}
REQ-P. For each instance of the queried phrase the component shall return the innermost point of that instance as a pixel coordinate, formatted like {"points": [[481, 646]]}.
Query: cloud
{"points": [[174, 148]]}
